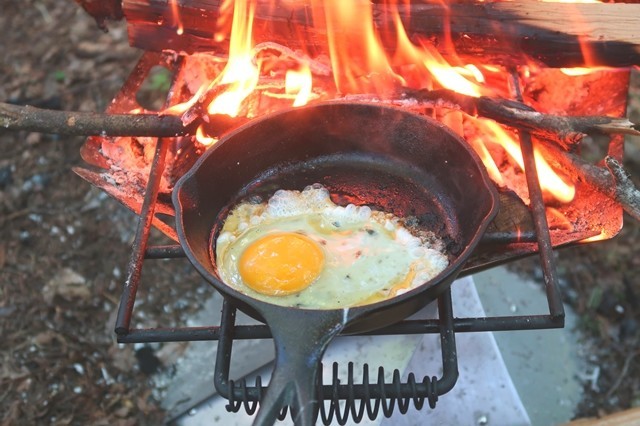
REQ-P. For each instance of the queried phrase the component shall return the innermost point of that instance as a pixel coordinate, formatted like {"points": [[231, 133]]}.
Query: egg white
{"points": [[369, 255]]}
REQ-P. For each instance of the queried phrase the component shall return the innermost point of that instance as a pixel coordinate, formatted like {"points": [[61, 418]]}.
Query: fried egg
{"points": [[300, 249]]}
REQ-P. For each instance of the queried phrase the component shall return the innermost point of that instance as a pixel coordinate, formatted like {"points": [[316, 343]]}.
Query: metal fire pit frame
{"points": [[375, 394]]}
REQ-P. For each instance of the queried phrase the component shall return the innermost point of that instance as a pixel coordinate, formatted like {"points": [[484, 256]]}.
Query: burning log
{"points": [[503, 32]]}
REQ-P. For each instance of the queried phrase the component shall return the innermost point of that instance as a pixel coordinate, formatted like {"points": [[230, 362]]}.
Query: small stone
{"points": [[6, 176], [628, 329], [67, 284], [33, 138], [148, 362]]}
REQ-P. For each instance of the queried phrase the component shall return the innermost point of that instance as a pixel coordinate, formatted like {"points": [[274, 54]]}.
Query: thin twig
{"points": [[15, 117], [626, 192], [623, 373]]}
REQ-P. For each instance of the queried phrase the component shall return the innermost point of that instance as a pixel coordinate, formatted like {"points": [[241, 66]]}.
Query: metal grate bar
{"points": [[134, 269]]}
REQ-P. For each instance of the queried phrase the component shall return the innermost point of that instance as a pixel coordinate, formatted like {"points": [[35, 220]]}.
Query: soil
{"points": [[64, 248]]}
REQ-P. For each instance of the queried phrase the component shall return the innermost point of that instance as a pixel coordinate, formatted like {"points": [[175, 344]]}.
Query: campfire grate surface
{"points": [[374, 394]]}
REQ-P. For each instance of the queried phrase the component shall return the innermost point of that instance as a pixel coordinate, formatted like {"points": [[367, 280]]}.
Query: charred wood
{"points": [[500, 32]]}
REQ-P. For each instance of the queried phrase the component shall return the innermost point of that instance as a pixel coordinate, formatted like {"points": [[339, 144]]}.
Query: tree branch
{"points": [[613, 182], [569, 130], [626, 192], [14, 117]]}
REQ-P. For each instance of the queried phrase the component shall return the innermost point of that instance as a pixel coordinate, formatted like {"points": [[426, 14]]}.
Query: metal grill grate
{"points": [[373, 396]]}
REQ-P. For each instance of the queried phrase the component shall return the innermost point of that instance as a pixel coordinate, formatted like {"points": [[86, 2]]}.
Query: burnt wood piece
{"points": [[101, 10], [500, 32]]}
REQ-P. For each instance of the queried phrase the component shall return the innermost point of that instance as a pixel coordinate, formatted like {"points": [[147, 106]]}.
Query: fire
{"points": [[361, 65], [549, 179], [299, 83], [241, 73]]}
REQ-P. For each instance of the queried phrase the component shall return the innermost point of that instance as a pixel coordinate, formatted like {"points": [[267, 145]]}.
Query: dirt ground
{"points": [[64, 248]]}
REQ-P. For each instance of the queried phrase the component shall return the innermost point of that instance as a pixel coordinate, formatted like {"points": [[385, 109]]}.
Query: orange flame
{"points": [[549, 180], [241, 73], [299, 83], [360, 64], [203, 138]]}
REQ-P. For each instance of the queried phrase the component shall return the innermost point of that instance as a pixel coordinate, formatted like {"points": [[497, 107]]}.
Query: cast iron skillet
{"points": [[384, 157]]}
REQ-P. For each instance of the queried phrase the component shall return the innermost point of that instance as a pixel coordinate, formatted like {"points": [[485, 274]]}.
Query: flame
{"points": [[360, 65], [430, 64], [203, 138], [487, 160], [359, 62], [579, 71], [550, 182], [240, 73], [557, 220], [299, 83]]}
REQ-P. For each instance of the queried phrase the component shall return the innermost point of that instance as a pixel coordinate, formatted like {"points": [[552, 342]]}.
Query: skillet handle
{"points": [[300, 337]]}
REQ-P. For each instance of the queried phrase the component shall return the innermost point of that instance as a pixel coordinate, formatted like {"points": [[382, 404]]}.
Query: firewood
{"points": [[567, 130], [15, 117], [500, 32]]}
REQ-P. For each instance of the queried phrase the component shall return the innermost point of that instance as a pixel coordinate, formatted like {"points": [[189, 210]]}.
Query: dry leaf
{"points": [[67, 284]]}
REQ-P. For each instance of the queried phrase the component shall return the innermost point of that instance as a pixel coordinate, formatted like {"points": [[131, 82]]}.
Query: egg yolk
{"points": [[281, 264]]}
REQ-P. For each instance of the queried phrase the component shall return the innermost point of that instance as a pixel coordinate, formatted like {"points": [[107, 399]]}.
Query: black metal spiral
{"points": [[341, 402]]}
